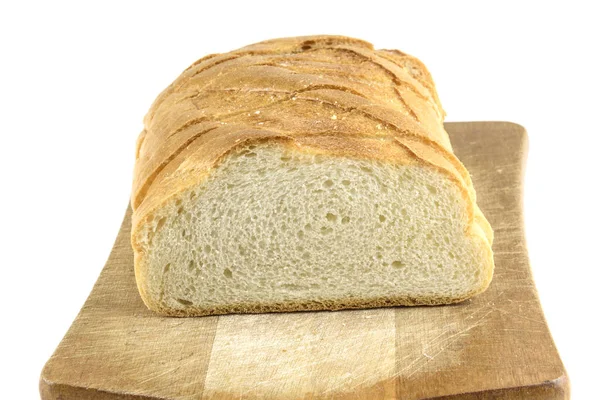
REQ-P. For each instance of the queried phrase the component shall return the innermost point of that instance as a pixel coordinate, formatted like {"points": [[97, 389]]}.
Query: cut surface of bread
{"points": [[309, 173], [277, 229]]}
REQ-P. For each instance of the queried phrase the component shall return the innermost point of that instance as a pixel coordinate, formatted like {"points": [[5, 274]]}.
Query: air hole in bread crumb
{"points": [[431, 189], [306, 255], [328, 183], [300, 234], [285, 158], [331, 217], [325, 230], [306, 47], [382, 218], [160, 223], [184, 302], [367, 170], [167, 268], [345, 220], [398, 264], [191, 265], [308, 227], [207, 249], [250, 154], [227, 272]]}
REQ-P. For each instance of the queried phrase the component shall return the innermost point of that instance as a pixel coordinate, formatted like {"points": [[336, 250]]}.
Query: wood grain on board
{"points": [[495, 346]]}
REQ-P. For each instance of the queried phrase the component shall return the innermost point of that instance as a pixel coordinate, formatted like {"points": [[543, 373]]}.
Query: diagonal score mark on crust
{"points": [[139, 143], [425, 79], [179, 82], [395, 78], [410, 110], [139, 196], [201, 60], [292, 93]]}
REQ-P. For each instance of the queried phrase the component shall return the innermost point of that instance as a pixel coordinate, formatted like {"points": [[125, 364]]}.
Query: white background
{"points": [[76, 80]]}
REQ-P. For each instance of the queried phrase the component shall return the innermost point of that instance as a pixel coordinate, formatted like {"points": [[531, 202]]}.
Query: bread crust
{"points": [[325, 94]]}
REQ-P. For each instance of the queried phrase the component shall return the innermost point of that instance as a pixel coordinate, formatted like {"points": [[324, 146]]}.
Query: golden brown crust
{"points": [[296, 86], [329, 94]]}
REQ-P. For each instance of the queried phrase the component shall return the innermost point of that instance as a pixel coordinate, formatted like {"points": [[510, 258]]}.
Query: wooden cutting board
{"points": [[495, 346]]}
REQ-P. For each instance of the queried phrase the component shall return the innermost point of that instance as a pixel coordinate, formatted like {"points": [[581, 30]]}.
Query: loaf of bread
{"points": [[309, 173]]}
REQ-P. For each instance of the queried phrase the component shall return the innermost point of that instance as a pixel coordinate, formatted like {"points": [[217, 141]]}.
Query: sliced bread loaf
{"points": [[306, 173]]}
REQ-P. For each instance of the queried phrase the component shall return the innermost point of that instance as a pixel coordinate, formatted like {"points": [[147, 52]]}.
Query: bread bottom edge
{"points": [[308, 306]]}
